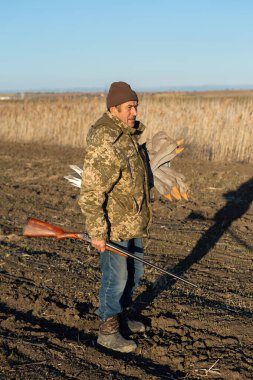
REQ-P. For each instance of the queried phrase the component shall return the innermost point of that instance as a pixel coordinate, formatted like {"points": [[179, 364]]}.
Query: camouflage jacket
{"points": [[114, 194]]}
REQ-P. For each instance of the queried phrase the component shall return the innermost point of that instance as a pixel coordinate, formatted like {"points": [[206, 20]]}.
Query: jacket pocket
{"points": [[127, 203]]}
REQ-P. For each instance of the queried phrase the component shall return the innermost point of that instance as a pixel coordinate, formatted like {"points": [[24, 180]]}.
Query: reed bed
{"points": [[215, 126]]}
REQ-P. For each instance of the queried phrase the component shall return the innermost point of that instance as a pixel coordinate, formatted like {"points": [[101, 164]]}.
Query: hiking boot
{"points": [[110, 337], [116, 342], [109, 326], [130, 325], [134, 326]]}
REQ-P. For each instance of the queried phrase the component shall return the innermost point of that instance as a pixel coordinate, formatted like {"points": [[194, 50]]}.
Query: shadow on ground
{"points": [[238, 202]]}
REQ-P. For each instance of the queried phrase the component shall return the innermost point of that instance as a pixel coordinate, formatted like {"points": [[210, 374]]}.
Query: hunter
{"points": [[115, 202]]}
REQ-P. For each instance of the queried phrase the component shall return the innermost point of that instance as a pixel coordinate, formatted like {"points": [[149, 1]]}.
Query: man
{"points": [[114, 199]]}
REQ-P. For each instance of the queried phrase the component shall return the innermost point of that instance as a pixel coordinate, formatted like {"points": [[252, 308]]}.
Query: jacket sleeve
{"points": [[100, 172]]}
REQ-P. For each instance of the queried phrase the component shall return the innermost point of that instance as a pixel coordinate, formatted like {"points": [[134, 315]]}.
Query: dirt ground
{"points": [[49, 288]]}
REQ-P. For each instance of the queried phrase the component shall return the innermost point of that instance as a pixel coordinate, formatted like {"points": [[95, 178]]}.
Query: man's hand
{"points": [[99, 245]]}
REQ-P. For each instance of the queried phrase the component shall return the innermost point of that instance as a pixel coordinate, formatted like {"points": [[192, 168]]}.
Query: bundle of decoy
{"points": [[161, 150]]}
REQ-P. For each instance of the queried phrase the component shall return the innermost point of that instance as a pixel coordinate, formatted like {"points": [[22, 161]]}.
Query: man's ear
{"points": [[114, 110]]}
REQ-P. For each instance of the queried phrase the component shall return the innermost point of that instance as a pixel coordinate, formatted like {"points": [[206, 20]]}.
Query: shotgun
{"points": [[38, 228]]}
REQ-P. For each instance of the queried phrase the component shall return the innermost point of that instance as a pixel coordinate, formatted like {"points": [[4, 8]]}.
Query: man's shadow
{"points": [[238, 202]]}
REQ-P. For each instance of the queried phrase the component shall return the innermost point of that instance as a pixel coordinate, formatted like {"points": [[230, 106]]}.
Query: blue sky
{"points": [[66, 44]]}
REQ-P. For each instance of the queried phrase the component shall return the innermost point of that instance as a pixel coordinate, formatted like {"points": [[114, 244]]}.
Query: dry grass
{"points": [[215, 126]]}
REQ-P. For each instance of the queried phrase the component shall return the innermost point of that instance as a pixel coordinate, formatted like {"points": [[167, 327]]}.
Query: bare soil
{"points": [[49, 288]]}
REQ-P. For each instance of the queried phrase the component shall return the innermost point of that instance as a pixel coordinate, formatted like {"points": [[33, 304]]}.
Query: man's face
{"points": [[126, 112]]}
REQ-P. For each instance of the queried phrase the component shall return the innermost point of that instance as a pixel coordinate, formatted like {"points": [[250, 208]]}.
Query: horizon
{"points": [[189, 88]]}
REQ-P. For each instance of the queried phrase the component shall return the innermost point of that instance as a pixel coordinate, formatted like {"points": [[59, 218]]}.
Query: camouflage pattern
{"points": [[114, 195]]}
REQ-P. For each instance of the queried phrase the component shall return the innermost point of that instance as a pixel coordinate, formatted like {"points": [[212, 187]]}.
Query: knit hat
{"points": [[120, 92]]}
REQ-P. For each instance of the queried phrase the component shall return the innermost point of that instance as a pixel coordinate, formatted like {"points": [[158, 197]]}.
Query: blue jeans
{"points": [[120, 276]]}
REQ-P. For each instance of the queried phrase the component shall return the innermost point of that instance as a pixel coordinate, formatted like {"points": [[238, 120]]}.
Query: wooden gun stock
{"points": [[38, 228]]}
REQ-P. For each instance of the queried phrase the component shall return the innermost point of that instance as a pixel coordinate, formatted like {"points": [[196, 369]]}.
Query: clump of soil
{"points": [[49, 288]]}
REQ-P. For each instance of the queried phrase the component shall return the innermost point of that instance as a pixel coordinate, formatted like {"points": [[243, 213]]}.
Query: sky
{"points": [[151, 44]]}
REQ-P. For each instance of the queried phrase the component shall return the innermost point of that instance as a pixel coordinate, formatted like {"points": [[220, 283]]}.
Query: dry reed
{"points": [[215, 126]]}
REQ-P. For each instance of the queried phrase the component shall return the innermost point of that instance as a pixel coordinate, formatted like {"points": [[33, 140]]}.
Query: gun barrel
{"points": [[126, 253]]}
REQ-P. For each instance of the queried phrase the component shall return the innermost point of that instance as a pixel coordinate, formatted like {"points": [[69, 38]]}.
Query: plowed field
{"points": [[49, 288]]}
